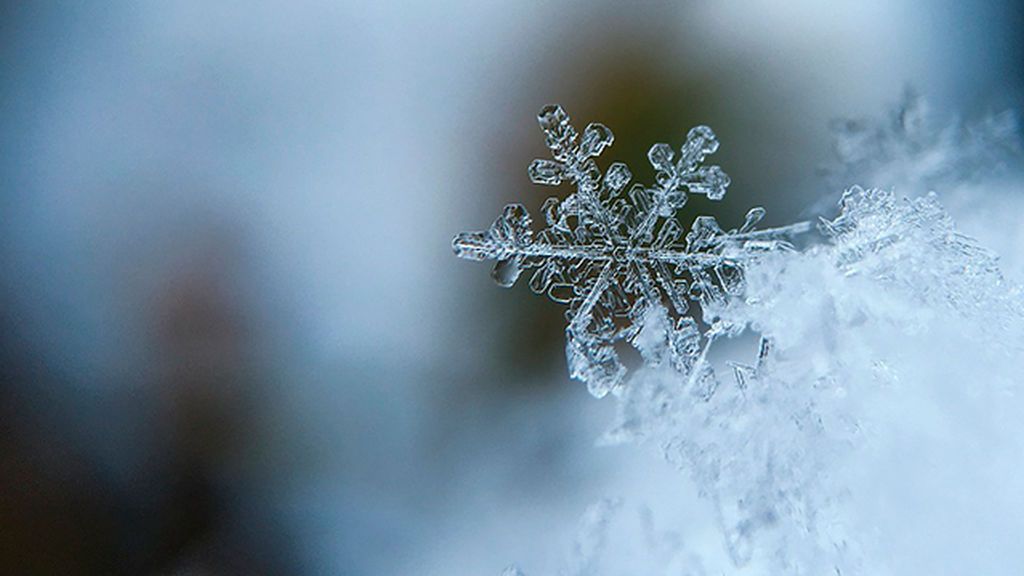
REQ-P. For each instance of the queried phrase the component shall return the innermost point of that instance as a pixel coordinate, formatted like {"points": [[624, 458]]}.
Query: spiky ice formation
{"points": [[618, 257]]}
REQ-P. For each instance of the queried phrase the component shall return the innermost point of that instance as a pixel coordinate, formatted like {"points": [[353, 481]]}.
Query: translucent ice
{"points": [[612, 256], [881, 412]]}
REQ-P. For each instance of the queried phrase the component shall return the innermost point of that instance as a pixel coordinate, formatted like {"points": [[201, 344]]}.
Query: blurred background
{"points": [[233, 337]]}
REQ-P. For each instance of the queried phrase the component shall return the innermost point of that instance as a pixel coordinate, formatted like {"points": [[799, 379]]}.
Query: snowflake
{"points": [[618, 258]]}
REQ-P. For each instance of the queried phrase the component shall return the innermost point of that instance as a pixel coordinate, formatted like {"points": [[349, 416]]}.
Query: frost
{"points": [[882, 408], [613, 537], [591, 537], [915, 148], [891, 300], [878, 234], [619, 258]]}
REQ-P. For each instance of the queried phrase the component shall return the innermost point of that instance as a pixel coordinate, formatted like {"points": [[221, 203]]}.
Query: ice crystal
{"points": [[889, 356], [618, 257]]}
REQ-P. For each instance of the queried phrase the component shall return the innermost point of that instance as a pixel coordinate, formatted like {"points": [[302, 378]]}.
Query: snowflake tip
{"points": [[754, 215], [660, 156], [472, 246], [509, 234], [617, 177], [552, 116], [547, 172], [560, 135], [596, 138], [700, 141], [713, 184]]}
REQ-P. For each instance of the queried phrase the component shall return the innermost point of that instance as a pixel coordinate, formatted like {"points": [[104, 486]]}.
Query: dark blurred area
{"points": [[194, 414], [233, 339]]}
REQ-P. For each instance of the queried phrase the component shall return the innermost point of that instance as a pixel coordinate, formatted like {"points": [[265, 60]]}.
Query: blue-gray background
{"points": [[233, 337]]}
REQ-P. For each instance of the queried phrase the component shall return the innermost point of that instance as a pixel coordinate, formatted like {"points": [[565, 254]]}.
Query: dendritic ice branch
{"points": [[617, 256]]}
